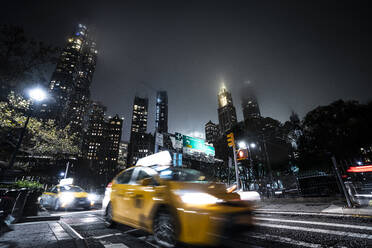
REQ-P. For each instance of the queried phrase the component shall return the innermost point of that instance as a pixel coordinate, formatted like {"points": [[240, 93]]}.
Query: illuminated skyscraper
{"points": [[226, 110], [101, 141], [161, 118], [70, 83], [141, 143]]}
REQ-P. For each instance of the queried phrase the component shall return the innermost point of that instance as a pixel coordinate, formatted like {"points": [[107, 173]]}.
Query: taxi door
{"points": [[143, 197], [121, 196], [51, 196]]}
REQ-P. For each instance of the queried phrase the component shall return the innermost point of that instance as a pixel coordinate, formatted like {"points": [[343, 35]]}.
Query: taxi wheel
{"points": [[165, 230], [108, 217]]}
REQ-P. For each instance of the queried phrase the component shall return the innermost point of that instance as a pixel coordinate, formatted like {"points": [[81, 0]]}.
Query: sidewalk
{"points": [[51, 234], [312, 205]]}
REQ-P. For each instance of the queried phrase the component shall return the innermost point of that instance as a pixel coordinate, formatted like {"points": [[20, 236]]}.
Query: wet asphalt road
{"points": [[272, 230]]}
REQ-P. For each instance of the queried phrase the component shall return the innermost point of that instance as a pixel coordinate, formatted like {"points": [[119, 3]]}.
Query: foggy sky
{"points": [[296, 55]]}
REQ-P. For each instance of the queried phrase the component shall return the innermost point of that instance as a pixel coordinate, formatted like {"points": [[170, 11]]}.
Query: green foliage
{"points": [[42, 138], [28, 184], [23, 184]]}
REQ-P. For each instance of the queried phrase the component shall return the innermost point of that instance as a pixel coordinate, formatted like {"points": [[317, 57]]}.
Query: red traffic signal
{"points": [[242, 154]]}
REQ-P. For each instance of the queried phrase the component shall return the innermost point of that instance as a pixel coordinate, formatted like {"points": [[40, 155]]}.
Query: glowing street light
{"points": [[38, 95]]}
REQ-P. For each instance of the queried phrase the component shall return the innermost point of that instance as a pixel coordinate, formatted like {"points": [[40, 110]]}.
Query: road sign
{"points": [[193, 143], [198, 145]]}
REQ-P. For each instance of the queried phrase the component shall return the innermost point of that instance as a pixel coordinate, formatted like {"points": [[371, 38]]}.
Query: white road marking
{"points": [[283, 240], [107, 235], [110, 245], [262, 211], [316, 230], [131, 230], [317, 223]]}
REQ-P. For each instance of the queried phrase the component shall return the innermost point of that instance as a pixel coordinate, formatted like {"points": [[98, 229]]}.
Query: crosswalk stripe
{"points": [[317, 223], [316, 230], [283, 240]]}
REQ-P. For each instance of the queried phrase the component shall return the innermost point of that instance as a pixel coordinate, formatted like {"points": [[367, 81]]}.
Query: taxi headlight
{"points": [[67, 198], [92, 197], [198, 198]]}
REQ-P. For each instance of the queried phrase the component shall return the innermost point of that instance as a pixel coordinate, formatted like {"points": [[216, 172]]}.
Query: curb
{"points": [[38, 218], [78, 239]]}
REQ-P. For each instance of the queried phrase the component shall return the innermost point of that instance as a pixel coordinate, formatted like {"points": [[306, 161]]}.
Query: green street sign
{"points": [[198, 144]]}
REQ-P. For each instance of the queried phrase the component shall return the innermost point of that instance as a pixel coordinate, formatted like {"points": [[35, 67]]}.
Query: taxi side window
{"points": [[142, 174], [124, 177], [54, 190]]}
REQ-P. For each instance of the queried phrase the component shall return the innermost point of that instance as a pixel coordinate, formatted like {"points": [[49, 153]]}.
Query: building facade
{"points": [[141, 144], [226, 111], [123, 155], [101, 141], [161, 116], [211, 132], [71, 80], [250, 107]]}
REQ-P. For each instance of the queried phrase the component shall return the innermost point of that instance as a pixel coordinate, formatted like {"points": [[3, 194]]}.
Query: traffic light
{"points": [[242, 154], [230, 140]]}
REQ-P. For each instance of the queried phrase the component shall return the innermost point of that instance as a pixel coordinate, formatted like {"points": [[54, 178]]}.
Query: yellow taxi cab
{"points": [[66, 196], [176, 205]]}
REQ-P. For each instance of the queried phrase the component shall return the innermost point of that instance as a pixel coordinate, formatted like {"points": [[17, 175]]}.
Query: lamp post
{"points": [[243, 145], [36, 95]]}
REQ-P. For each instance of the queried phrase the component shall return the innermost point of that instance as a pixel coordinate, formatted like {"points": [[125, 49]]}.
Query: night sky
{"points": [[296, 54]]}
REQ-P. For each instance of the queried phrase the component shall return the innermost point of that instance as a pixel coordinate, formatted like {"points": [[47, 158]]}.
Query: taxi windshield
{"points": [[67, 188], [179, 174]]}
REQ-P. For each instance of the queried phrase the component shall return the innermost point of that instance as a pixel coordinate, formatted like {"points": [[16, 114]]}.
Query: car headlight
{"points": [[92, 197], [197, 198], [66, 198]]}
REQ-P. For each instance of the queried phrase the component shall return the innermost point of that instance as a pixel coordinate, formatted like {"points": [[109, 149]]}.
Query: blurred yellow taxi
{"points": [[176, 205], [66, 196]]}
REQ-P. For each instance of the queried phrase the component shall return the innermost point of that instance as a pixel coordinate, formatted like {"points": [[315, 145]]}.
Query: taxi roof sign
{"points": [[160, 158], [66, 181]]}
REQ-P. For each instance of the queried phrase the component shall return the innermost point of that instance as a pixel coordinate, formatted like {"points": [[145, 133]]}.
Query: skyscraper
{"points": [[226, 110], [211, 132], [250, 107], [161, 118], [94, 138], [101, 141], [70, 82], [141, 143], [139, 115], [249, 102]]}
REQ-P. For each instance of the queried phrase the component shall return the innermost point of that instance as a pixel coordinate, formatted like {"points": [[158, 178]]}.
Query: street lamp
{"points": [[36, 95]]}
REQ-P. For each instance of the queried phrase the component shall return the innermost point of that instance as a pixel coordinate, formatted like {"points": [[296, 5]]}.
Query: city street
{"points": [[272, 230]]}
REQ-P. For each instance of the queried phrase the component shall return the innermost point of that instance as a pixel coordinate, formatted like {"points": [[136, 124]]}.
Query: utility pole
{"points": [[67, 165]]}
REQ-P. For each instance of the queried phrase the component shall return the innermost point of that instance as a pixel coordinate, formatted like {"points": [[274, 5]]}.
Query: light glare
{"points": [[37, 94]]}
